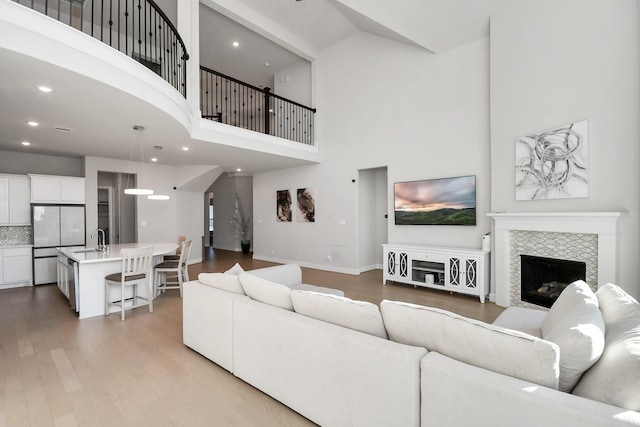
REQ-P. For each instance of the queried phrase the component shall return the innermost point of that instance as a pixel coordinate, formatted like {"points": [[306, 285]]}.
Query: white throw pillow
{"points": [[580, 336], [266, 291], [576, 293], [615, 378], [357, 315], [615, 303], [226, 282], [474, 342], [575, 324], [236, 269]]}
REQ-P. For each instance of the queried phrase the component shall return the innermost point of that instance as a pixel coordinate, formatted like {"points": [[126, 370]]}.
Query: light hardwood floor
{"points": [[56, 370]]}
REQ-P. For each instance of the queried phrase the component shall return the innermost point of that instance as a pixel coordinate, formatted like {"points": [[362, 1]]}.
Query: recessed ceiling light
{"points": [[158, 197], [236, 44], [238, 170], [153, 159], [185, 148], [266, 64], [33, 124], [26, 143], [45, 89]]}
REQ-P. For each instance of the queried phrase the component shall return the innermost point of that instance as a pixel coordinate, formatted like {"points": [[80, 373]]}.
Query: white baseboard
{"points": [[324, 267]]}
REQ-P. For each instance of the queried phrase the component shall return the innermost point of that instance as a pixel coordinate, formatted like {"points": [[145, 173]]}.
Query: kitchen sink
{"points": [[84, 251]]}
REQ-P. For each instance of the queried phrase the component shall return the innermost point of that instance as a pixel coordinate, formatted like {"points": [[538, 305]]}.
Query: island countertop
{"points": [[90, 267], [91, 255]]}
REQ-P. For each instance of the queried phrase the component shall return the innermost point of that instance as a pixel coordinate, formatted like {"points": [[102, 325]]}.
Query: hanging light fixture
{"points": [[135, 191]]}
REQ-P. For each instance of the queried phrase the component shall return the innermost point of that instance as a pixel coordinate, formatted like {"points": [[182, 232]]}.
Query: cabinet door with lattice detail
{"points": [[454, 272], [471, 274]]}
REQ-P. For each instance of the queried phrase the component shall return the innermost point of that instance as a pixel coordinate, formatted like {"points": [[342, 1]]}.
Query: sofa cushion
{"points": [[357, 315], [575, 324], [471, 341], [226, 282], [266, 291], [319, 289], [615, 378], [236, 269]]}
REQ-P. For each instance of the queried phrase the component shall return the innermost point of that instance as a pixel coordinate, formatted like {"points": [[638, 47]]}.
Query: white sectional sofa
{"points": [[341, 362]]}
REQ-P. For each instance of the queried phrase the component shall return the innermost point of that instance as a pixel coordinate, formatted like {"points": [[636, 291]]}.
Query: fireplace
{"points": [[560, 235], [543, 279]]}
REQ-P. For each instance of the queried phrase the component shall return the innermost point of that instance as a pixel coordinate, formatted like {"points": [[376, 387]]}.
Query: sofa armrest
{"points": [[527, 320], [492, 399]]}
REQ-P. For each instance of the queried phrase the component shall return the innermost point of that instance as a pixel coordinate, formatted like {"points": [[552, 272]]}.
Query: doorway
{"points": [[372, 217], [117, 211]]}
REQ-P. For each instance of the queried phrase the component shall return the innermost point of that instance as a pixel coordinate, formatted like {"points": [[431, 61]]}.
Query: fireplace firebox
{"points": [[543, 279]]}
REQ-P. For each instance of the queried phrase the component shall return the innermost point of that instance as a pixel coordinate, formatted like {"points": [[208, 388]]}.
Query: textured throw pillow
{"points": [[226, 282], [266, 291], [615, 378], [477, 343], [236, 269], [357, 315]]}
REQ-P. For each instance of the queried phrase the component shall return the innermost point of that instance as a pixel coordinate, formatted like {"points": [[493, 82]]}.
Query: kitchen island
{"points": [[88, 268]]}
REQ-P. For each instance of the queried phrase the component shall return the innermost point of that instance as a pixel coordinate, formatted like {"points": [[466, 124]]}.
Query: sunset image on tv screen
{"points": [[444, 201]]}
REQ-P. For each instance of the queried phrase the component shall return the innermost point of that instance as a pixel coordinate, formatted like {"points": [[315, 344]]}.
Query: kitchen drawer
{"points": [[8, 252]]}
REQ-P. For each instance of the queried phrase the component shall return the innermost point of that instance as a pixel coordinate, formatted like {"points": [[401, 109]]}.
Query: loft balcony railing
{"points": [[233, 102], [137, 28]]}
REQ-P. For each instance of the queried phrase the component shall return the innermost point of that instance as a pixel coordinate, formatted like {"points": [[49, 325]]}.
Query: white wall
{"points": [[294, 83], [555, 62], [382, 103]]}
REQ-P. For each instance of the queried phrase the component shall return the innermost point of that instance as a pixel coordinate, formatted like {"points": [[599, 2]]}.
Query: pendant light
{"points": [[135, 191]]}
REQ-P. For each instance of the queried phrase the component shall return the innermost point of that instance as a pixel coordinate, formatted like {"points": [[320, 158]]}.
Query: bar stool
{"points": [[136, 269], [175, 257], [178, 270]]}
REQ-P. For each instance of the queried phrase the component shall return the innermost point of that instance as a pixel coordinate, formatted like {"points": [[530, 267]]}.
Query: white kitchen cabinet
{"points": [[14, 200], [459, 270], [63, 275], [4, 200], [16, 266], [57, 189]]}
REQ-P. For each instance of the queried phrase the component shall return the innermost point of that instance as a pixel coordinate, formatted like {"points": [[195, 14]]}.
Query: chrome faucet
{"points": [[98, 232]]}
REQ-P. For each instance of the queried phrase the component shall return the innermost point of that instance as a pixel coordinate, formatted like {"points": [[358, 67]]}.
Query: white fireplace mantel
{"points": [[604, 224]]}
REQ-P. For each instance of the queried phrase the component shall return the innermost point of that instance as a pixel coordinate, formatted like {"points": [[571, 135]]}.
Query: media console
{"points": [[460, 270]]}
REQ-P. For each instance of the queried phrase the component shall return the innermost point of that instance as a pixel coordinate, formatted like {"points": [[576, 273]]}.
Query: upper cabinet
{"points": [[14, 200], [57, 189]]}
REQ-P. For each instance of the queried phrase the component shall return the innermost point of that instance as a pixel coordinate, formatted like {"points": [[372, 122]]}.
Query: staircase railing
{"points": [[137, 28], [233, 102]]}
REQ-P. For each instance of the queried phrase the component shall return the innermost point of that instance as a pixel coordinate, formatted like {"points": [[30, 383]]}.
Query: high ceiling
{"points": [[277, 32]]}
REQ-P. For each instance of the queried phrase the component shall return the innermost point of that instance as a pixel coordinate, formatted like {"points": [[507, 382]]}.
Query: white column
{"points": [[189, 29]]}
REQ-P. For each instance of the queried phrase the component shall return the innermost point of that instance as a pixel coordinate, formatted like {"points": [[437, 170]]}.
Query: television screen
{"points": [[443, 201]]}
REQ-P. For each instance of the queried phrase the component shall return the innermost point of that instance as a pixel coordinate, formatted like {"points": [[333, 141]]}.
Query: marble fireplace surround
{"points": [[602, 224]]}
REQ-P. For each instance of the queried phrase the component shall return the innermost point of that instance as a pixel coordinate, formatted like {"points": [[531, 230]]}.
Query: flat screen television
{"points": [[442, 201]]}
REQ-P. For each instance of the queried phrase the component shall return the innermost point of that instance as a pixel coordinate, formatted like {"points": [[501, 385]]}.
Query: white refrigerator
{"points": [[53, 227]]}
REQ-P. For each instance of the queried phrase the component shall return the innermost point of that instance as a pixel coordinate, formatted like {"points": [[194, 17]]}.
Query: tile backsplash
{"points": [[15, 235]]}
